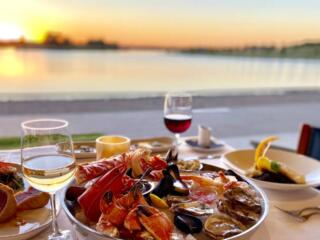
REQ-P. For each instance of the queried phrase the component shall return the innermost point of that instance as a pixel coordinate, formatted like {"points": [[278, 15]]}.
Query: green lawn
{"points": [[14, 142]]}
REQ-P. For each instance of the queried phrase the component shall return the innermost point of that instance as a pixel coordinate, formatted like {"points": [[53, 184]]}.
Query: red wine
{"points": [[177, 123]]}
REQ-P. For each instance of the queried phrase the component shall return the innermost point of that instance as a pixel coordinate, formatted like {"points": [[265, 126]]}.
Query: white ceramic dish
{"points": [[37, 220], [242, 160], [156, 144]]}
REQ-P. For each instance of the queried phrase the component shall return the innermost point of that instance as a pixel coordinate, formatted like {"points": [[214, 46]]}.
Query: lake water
{"points": [[62, 74]]}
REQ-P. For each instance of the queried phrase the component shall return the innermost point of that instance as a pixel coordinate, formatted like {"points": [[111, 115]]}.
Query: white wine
{"points": [[49, 173]]}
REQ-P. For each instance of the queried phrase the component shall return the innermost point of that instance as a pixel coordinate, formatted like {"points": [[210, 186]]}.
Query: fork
{"points": [[299, 213]]}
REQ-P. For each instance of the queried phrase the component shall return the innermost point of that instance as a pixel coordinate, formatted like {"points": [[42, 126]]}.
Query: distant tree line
{"points": [[305, 50], [58, 40]]}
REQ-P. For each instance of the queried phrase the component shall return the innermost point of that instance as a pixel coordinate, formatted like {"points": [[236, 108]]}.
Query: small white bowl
{"points": [[242, 160]]}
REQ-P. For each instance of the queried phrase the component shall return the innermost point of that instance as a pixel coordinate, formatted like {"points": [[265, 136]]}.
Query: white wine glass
{"points": [[177, 112], [44, 166]]}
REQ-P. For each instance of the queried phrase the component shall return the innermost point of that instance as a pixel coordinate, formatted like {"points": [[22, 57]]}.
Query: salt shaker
{"points": [[204, 136]]}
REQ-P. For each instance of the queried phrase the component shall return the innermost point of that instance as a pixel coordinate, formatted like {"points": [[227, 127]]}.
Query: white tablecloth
{"points": [[277, 226]]}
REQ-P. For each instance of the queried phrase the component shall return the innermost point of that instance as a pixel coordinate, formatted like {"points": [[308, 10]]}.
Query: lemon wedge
{"points": [[262, 147], [158, 202]]}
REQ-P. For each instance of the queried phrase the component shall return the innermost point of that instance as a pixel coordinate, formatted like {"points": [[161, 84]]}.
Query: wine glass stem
{"points": [[55, 228], [177, 135]]}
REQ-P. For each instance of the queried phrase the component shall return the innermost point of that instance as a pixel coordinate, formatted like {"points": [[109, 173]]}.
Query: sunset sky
{"points": [[182, 23]]}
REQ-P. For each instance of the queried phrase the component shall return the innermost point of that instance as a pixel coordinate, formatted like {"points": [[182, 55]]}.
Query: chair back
{"points": [[309, 142]]}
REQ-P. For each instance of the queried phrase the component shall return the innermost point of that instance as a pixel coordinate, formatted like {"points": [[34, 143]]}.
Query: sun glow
{"points": [[10, 32], [10, 64]]}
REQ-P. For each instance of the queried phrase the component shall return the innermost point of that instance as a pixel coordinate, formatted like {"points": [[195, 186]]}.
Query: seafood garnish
{"points": [[194, 208], [220, 226]]}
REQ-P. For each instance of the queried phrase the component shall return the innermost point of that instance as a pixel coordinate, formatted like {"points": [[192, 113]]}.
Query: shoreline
{"points": [[156, 102]]}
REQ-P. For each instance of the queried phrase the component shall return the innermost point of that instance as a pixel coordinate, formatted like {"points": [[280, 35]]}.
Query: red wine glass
{"points": [[177, 113]]}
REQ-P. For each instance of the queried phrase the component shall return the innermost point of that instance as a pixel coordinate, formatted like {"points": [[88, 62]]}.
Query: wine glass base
{"points": [[64, 235]]}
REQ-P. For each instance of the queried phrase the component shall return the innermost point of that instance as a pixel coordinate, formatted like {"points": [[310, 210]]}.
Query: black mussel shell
{"points": [[165, 185], [171, 157], [179, 187], [187, 223], [74, 192], [129, 172]]}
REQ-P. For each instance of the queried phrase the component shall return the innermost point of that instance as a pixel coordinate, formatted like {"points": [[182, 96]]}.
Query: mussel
{"points": [[194, 208], [221, 226], [171, 157], [171, 183], [72, 194], [179, 186], [165, 185], [187, 223]]}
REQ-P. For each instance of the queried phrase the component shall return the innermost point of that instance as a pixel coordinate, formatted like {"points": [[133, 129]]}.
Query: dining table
{"points": [[277, 225]]}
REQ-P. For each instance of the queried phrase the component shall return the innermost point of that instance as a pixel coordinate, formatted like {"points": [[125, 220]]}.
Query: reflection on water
{"points": [[10, 63], [68, 73]]}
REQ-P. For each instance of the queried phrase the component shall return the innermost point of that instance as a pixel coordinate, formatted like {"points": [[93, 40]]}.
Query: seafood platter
{"points": [[137, 195]]}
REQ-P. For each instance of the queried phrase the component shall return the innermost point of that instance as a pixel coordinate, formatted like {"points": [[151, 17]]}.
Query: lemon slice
{"points": [[158, 202], [260, 150]]}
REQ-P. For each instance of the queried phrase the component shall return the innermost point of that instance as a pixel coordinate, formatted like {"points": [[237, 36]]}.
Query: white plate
{"points": [[37, 220], [220, 145], [242, 160], [156, 144]]}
